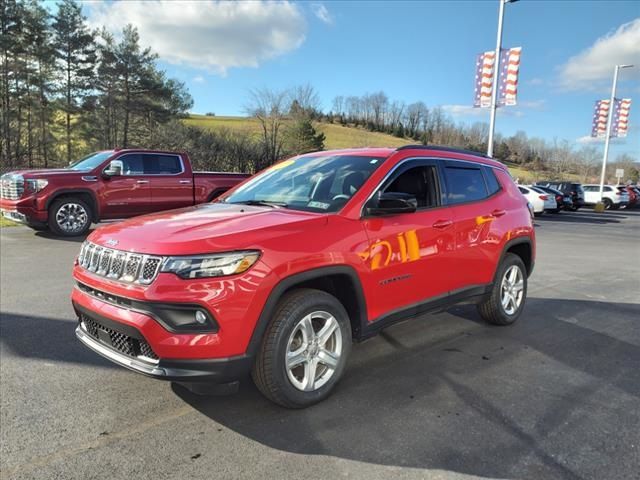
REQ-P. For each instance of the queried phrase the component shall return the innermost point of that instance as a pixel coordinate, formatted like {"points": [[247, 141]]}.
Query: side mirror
{"points": [[114, 169], [391, 203]]}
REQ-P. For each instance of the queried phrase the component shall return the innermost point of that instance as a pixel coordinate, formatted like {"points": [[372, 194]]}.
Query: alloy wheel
{"points": [[72, 217], [313, 351], [512, 289]]}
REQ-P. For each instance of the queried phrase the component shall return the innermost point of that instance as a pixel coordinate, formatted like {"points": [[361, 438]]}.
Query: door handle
{"points": [[442, 224], [498, 213], [184, 182], [142, 181]]}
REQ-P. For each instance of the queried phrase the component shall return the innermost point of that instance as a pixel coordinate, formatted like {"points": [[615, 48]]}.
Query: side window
{"points": [[161, 164], [132, 164], [523, 191], [420, 182], [465, 185], [492, 181]]}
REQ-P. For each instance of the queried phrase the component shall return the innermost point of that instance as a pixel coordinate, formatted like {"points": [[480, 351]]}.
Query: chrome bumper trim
{"points": [[146, 368]]}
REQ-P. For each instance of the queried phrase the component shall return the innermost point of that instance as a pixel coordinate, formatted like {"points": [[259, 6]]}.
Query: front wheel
{"points": [[508, 295], [304, 350], [69, 217]]}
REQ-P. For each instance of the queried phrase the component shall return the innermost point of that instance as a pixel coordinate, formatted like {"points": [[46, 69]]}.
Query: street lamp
{"points": [[496, 68], [609, 121]]}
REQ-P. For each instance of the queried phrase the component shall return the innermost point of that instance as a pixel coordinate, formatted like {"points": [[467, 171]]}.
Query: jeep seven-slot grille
{"points": [[119, 265], [120, 342]]}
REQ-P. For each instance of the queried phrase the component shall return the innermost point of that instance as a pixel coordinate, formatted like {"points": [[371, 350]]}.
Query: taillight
{"points": [[618, 193], [558, 198], [543, 197]]}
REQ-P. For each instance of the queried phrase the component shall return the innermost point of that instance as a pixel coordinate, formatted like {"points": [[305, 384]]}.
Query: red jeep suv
{"points": [[283, 272]]}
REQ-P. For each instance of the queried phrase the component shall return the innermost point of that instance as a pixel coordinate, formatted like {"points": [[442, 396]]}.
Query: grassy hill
{"points": [[337, 136]]}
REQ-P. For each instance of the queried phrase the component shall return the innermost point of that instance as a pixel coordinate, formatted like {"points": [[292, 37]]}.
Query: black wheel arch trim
{"points": [[518, 241], [290, 282], [70, 191]]}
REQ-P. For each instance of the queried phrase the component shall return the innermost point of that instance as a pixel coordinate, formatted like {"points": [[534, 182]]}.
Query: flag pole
{"points": [[494, 91], [609, 121]]}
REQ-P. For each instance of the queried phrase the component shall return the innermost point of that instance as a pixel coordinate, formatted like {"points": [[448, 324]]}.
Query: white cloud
{"points": [[515, 111], [199, 79], [320, 11], [589, 140], [209, 35], [592, 68]]}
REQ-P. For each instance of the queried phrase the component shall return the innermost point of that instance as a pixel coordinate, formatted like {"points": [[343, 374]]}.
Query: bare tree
{"points": [[269, 108], [306, 98], [338, 105]]}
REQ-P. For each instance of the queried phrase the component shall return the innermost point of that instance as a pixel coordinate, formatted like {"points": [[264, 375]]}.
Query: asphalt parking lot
{"points": [[557, 395]]}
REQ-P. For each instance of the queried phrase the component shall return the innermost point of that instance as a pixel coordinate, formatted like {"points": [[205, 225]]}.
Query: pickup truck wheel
{"points": [[509, 293], [69, 216], [305, 349]]}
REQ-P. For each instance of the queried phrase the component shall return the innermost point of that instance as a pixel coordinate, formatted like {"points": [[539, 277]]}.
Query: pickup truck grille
{"points": [[11, 186], [119, 265]]}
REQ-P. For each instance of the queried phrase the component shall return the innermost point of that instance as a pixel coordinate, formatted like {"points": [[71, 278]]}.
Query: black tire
{"points": [[269, 370], [60, 204], [491, 309], [608, 204]]}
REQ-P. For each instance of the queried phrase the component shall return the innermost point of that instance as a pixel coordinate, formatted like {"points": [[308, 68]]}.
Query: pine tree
{"points": [[301, 137], [76, 53]]}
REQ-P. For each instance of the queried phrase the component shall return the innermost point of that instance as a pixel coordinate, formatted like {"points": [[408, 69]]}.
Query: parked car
{"points": [[107, 185], [634, 195], [282, 273], [550, 204], [539, 200], [573, 189], [563, 200], [612, 197]]}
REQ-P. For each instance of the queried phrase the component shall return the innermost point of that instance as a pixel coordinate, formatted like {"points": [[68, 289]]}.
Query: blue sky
{"points": [[410, 50]]}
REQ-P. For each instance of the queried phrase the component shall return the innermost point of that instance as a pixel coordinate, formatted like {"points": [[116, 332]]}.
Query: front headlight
{"points": [[33, 185], [205, 266]]}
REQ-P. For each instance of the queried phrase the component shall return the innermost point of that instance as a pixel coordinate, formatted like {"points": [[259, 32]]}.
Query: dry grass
{"points": [[7, 223]]}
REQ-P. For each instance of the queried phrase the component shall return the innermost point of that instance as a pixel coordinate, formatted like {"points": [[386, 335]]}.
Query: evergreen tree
{"points": [[76, 53], [301, 137]]}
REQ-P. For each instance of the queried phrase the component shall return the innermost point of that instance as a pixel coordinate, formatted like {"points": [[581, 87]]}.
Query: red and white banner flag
{"points": [[509, 69], [620, 124], [600, 115]]}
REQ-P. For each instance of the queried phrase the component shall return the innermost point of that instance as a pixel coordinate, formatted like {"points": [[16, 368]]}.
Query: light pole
{"points": [[496, 76], [609, 121]]}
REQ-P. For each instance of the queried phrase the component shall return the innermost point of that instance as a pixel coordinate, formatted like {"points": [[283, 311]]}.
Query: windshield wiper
{"points": [[264, 203]]}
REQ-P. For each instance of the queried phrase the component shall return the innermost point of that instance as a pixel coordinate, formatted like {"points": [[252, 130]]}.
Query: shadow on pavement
{"points": [[48, 339], [47, 234], [444, 392]]}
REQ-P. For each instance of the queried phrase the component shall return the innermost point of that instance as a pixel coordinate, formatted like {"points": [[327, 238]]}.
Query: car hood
{"points": [[47, 172], [206, 228]]}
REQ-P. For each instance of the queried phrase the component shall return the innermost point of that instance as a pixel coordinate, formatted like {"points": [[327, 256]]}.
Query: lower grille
{"points": [[120, 342], [11, 186]]}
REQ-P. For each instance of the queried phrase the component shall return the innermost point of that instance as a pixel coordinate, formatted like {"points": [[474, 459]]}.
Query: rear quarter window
{"points": [[465, 184], [492, 182]]}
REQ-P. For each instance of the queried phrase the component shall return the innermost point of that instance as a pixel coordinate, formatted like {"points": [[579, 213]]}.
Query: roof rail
{"points": [[442, 148]]}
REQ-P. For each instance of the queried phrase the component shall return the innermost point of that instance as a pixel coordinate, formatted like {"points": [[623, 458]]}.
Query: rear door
{"points": [[474, 197], [409, 254], [170, 182], [128, 194]]}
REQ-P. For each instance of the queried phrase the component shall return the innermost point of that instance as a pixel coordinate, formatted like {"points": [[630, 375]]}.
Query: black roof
{"points": [[443, 149]]}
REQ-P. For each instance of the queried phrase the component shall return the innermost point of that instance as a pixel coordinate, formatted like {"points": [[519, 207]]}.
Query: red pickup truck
{"points": [[106, 185]]}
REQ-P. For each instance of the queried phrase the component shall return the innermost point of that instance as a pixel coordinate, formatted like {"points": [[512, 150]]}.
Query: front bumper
{"points": [[24, 210], [214, 371]]}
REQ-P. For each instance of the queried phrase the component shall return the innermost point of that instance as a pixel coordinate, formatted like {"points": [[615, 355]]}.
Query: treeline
{"points": [[425, 125], [67, 90]]}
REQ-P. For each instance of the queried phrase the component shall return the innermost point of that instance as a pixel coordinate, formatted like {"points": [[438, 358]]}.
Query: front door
{"points": [[409, 254], [128, 194]]}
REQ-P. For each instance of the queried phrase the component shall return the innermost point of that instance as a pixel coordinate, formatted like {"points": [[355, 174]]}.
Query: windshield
{"points": [[91, 161], [311, 183]]}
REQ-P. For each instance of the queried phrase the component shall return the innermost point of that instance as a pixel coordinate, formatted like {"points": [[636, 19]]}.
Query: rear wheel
{"points": [[608, 204], [305, 349], [508, 295], [69, 217]]}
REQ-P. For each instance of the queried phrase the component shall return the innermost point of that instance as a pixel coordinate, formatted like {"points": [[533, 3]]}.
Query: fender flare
{"points": [[290, 282], [516, 241], [70, 191], [216, 193]]}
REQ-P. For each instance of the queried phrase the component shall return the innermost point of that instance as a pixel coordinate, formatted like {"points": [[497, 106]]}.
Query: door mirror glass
{"points": [[114, 169], [391, 203]]}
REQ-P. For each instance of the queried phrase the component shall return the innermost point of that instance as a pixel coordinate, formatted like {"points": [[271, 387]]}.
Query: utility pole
{"points": [[609, 121], [496, 76]]}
